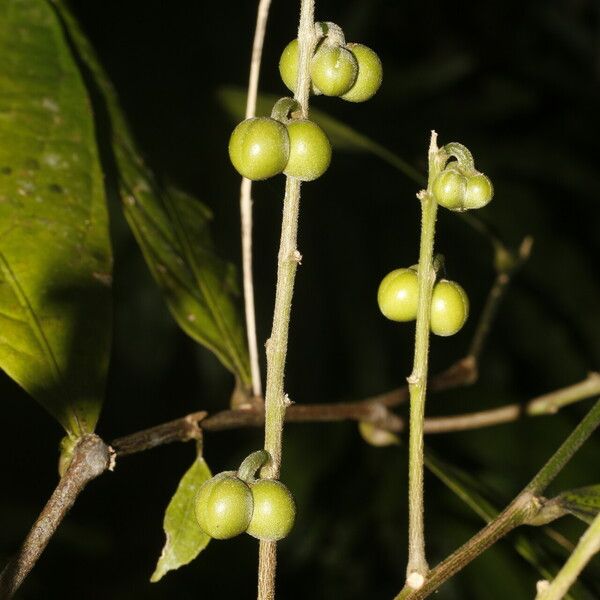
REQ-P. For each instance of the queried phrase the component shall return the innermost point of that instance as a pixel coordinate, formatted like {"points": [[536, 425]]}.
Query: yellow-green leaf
{"points": [[172, 229], [55, 255], [185, 539], [583, 503]]}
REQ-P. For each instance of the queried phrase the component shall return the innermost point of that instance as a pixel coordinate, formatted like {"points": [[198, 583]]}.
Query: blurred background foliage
{"points": [[518, 83]]}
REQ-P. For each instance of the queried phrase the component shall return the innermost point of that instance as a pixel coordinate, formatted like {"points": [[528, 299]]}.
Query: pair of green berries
{"points": [[460, 191], [352, 71], [398, 299], [227, 506], [262, 147]]}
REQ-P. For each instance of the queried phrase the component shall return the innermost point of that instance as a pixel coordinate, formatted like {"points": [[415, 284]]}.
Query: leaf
{"points": [[55, 254], [341, 136], [185, 539], [583, 503], [172, 229]]}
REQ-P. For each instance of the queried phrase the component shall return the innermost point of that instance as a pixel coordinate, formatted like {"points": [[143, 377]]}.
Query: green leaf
{"points": [[342, 137], [172, 229], [185, 539], [583, 503], [55, 254]]}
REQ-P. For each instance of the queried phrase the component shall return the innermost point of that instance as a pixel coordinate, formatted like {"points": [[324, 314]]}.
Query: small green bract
{"points": [[224, 506], [274, 510], [259, 148], [310, 150], [398, 295], [333, 70], [449, 308], [370, 74]]}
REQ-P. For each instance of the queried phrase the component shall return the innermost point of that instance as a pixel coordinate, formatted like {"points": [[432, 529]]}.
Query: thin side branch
{"points": [[588, 546], [246, 201], [91, 458], [521, 510]]}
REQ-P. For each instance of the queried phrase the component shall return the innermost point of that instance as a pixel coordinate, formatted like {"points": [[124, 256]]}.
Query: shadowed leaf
{"points": [[55, 255], [172, 229]]}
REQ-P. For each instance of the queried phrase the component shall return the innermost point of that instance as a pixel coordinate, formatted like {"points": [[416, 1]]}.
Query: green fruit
{"points": [[398, 295], [274, 510], [449, 189], [310, 150], [449, 308], [370, 74], [224, 506], [288, 67], [333, 70], [259, 148], [479, 191]]}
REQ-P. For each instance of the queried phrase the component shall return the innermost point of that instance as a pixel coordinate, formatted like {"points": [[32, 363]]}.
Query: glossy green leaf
{"points": [[172, 229], [583, 503], [55, 254], [185, 539]]}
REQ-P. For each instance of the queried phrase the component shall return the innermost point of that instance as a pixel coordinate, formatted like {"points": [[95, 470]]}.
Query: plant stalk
{"points": [[246, 202], [417, 567], [275, 399], [588, 546]]}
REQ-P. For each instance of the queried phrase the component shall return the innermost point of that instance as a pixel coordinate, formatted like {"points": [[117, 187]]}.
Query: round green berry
{"points": [[224, 506], [449, 308], [479, 191], [398, 295], [259, 148], [274, 510], [449, 189], [370, 74], [310, 150], [333, 70], [288, 67]]}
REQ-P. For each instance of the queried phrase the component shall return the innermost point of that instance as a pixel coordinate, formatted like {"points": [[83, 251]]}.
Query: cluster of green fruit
{"points": [[228, 505], [350, 71], [262, 147], [458, 189], [398, 299]]}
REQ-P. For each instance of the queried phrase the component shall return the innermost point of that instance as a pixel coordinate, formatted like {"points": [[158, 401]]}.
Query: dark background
{"points": [[518, 83]]}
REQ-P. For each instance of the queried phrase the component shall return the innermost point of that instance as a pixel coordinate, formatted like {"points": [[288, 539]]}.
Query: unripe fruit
{"points": [[259, 148], [479, 191], [370, 74], [288, 67], [333, 70], [449, 308], [398, 295], [224, 506], [449, 189], [274, 510], [310, 150]]}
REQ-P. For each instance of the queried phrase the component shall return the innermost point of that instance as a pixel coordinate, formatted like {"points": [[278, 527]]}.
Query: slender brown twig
{"points": [[91, 458]]}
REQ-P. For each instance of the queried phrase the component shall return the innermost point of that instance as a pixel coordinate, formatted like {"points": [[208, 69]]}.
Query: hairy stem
{"points": [[521, 510], [588, 546], [91, 458], [246, 202], [417, 567], [275, 399]]}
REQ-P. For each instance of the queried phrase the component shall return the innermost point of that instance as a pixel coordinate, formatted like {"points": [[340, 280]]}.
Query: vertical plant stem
{"points": [[246, 202], [588, 546], [417, 567], [275, 399]]}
